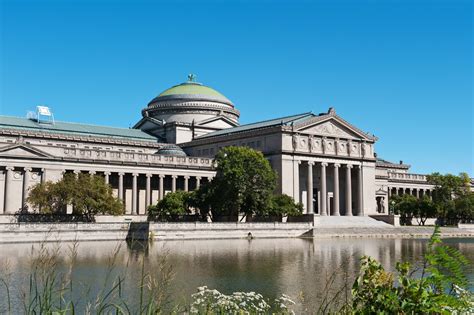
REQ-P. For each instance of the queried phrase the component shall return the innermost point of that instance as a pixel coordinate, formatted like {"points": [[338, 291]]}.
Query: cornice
{"points": [[232, 136], [70, 137], [156, 107]]}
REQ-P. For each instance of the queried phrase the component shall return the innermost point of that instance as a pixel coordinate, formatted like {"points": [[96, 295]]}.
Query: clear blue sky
{"points": [[402, 70]]}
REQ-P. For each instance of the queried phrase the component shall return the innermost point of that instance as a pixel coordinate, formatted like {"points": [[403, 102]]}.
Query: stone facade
{"points": [[322, 160]]}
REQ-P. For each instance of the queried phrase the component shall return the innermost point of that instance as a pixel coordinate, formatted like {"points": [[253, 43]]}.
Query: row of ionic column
{"points": [[336, 193], [417, 192], [148, 199]]}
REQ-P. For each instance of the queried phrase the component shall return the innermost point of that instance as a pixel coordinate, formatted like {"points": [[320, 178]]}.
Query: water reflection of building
{"points": [[322, 160], [268, 266]]}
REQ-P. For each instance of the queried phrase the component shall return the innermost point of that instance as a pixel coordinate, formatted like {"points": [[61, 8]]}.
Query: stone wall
{"points": [[38, 232], [219, 230]]}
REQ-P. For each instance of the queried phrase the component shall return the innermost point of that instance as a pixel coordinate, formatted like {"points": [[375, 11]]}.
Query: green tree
{"points": [[171, 207], [88, 194], [464, 207], [405, 206], [244, 183], [424, 209], [447, 189], [48, 198], [284, 205]]}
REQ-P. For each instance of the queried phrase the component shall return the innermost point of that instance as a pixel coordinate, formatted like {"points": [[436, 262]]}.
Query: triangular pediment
{"points": [[21, 150], [332, 126], [219, 122]]}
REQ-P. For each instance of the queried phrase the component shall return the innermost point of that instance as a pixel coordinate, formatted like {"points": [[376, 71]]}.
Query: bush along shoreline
{"points": [[437, 286]]}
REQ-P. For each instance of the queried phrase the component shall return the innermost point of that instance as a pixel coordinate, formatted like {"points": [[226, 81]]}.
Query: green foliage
{"points": [[405, 206], [49, 197], [284, 205], [435, 291], [373, 290], [244, 183], [172, 206], [448, 187], [424, 209], [408, 207], [463, 208], [452, 197], [88, 194]]}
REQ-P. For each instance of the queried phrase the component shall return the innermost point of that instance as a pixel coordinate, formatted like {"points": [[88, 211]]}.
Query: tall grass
{"points": [[50, 287]]}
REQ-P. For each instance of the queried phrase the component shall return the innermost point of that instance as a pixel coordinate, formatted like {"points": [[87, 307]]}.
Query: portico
{"points": [[330, 188]]}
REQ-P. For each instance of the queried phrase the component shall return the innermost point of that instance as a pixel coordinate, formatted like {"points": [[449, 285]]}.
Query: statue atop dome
{"points": [[191, 78]]}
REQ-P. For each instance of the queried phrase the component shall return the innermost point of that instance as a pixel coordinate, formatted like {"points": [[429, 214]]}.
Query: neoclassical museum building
{"points": [[322, 160]]}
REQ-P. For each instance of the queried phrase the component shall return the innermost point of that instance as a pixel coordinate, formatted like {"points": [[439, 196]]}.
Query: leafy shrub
{"points": [[441, 288], [172, 206], [284, 205]]}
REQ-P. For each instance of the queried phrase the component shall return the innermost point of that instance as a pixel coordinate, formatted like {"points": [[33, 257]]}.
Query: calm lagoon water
{"points": [[296, 267]]}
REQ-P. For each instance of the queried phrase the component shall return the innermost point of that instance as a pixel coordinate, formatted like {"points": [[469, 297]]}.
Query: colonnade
{"points": [[115, 179], [148, 190], [417, 192], [347, 191]]}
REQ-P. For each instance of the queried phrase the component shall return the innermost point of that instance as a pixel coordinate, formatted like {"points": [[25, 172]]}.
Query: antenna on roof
{"points": [[45, 112]]}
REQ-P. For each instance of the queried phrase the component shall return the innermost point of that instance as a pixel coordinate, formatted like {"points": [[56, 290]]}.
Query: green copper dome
{"points": [[192, 90], [190, 103]]}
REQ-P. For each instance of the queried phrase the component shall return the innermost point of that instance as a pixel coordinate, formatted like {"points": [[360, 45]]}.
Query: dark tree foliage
{"points": [[284, 205], [244, 183], [171, 207], [451, 197], [405, 206]]}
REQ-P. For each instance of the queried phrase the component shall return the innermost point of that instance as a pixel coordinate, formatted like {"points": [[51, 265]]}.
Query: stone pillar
{"points": [[336, 189], [173, 182], [148, 190], [161, 192], [309, 195], [324, 195], [26, 183], [296, 181], [107, 177], [134, 193], [8, 188], [348, 190], [92, 173], [360, 194], [120, 186], [43, 175], [198, 182], [186, 183]]}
